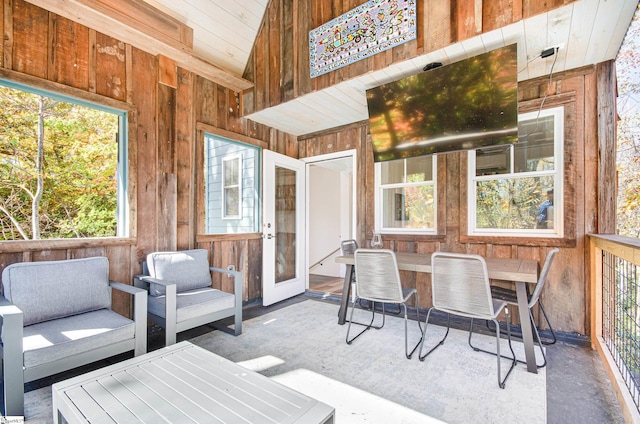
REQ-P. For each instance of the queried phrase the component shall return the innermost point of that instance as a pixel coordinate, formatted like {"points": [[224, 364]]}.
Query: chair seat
{"points": [[193, 303], [56, 339]]}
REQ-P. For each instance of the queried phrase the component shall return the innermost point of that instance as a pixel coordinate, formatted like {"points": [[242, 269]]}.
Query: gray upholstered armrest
{"points": [[139, 313], [127, 288], [238, 283], [148, 280], [238, 278], [12, 363]]}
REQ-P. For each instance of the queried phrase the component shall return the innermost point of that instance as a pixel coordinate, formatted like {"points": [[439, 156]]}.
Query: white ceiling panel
{"points": [[588, 31]]}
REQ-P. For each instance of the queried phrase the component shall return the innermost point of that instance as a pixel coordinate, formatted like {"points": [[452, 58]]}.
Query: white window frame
{"points": [[378, 196], [557, 174], [238, 185]]}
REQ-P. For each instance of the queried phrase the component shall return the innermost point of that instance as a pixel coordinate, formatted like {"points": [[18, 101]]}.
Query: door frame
{"points": [[352, 153]]}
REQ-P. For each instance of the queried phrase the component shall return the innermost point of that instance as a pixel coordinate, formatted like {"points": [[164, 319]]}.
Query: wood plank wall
{"points": [[165, 104], [441, 23], [566, 296], [279, 64]]}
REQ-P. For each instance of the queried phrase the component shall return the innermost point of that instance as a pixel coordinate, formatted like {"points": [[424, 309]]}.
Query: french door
{"points": [[284, 234]]}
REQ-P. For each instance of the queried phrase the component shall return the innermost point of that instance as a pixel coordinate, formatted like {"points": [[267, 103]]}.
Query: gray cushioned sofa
{"points": [[56, 315]]}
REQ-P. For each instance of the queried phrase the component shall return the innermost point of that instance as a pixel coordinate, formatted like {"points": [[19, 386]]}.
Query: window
{"points": [[516, 189], [231, 186], [63, 166], [406, 195]]}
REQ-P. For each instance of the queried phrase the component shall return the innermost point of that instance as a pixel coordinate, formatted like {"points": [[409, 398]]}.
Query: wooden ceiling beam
{"points": [[147, 29]]}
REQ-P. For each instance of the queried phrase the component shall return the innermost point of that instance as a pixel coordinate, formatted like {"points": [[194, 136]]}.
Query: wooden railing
{"points": [[615, 315]]}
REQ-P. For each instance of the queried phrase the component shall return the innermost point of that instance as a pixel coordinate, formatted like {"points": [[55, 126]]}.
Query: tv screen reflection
{"points": [[464, 105]]}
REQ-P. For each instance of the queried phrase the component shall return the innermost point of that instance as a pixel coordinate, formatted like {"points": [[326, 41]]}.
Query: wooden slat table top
{"points": [[182, 383], [525, 270]]}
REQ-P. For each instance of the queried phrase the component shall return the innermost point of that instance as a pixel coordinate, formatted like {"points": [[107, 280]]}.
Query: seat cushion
{"points": [[189, 269], [52, 340], [54, 289], [193, 303]]}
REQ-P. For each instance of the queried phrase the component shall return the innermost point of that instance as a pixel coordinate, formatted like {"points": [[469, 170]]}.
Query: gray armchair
{"points": [[56, 315], [180, 292]]}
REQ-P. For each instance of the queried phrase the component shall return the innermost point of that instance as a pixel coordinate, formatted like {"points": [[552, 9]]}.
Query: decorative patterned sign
{"points": [[375, 26]]}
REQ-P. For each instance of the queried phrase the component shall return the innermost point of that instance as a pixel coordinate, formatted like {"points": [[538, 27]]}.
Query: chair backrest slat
{"points": [[377, 275], [542, 278], [460, 284]]}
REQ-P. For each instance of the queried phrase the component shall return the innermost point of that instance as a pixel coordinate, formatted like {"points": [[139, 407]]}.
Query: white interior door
{"points": [[284, 235]]}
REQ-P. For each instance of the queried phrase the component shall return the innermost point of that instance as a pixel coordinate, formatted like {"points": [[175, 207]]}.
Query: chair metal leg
{"points": [[424, 333], [502, 382], [406, 339], [367, 326], [536, 339], [553, 333]]}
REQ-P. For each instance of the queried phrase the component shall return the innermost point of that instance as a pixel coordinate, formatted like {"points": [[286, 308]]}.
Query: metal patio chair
{"points": [[509, 296], [378, 281], [460, 286]]}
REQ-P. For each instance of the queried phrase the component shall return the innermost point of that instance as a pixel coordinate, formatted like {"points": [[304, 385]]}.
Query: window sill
{"points": [[520, 241], [55, 244]]}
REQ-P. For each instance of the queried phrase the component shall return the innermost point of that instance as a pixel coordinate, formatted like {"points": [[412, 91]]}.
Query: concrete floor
{"points": [[578, 389]]}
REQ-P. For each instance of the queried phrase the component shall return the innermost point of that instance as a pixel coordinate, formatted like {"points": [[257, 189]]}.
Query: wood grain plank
{"points": [[110, 67], [605, 75], [30, 39], [166, 218], [234, 105], [222, 108], [69, 53], [275, 52], [167, 71], [287, 51], [302, 26], [497, 13], [92, 61], [438, 21], [166, 136], [142, 15], [144, 94], [262, 51], [120, 270], [185, 165], [205, 104]]}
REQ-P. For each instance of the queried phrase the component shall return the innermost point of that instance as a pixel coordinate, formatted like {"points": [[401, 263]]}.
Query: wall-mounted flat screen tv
{"points": [[463, 105]]}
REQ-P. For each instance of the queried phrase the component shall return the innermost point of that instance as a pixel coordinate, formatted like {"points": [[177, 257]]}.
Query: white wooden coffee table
{"points": [[182, 383]]}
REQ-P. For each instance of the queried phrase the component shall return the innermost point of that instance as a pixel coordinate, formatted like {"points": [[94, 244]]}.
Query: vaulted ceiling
{"points": [[586, 31]]}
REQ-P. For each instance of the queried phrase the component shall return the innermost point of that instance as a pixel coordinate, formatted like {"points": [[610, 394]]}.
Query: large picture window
{"points": [[516, 190], [232, 186], [63, 166], [406, 195]]}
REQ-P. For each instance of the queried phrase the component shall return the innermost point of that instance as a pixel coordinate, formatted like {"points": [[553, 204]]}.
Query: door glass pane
{"points": [[285, 224]]}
